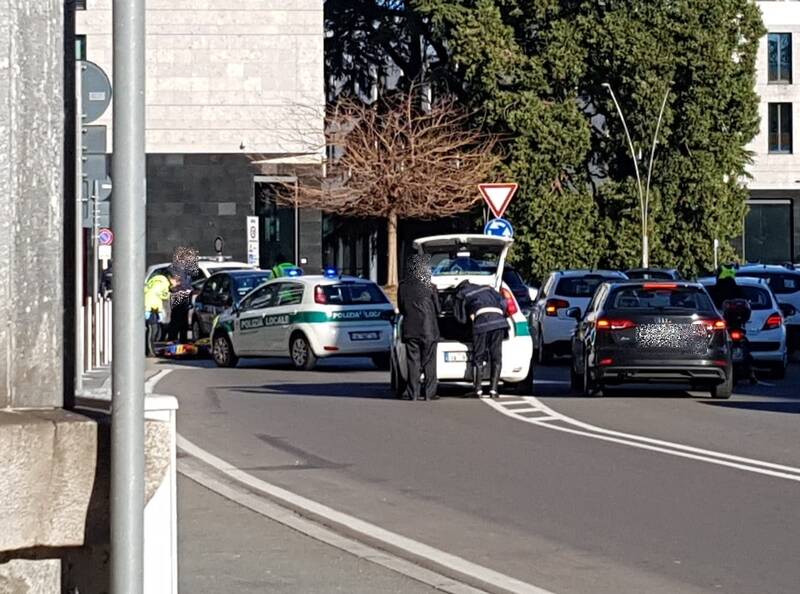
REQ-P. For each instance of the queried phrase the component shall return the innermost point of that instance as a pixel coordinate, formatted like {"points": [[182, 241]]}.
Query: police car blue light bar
{"points": [[330, 272]]}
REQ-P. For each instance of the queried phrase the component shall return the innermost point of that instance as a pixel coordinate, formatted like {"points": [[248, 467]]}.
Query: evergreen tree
{"points": [[538, 67]]}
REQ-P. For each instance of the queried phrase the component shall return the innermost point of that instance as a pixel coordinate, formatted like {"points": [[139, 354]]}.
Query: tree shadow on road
{"points": [[759, 405], [372, 391]]}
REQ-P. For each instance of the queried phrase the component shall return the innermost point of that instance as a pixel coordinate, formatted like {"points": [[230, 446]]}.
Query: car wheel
{"points": [[381, 361], [590, 386], [397, 381], [544, 353], [197, 332], [777, 371], [725, 389], [303, 358], [223, 353]]}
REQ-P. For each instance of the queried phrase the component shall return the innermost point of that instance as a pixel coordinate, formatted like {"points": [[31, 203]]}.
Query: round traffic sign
{"points": [[499, 228], [95, 91], [105, 236]]}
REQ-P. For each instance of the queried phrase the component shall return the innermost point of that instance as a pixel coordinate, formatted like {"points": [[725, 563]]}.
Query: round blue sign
{"points": [[499, 228]]}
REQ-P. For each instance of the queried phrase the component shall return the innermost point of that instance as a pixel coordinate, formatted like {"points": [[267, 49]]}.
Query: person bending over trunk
{"points": [[487, 310], [418, 302]]}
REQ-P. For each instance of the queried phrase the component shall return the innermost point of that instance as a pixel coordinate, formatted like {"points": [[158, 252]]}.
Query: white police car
{"points": [[479, 259], [307, 318]]}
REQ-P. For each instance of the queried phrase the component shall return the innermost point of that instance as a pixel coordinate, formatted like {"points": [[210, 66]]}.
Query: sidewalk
{"points": [[226, 548]]}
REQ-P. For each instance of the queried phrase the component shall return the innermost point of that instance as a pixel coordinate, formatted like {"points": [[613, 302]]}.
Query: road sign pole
{"points": [[95, 231], [78, 233], [128, 222]]}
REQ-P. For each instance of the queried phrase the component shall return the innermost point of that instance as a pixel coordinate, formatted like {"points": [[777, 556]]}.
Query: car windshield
{"points": [[353, 294], [465, 260], [580, 286], [690, 299], [246, 283]]}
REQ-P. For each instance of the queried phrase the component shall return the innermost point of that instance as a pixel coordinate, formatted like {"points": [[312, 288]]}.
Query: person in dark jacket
{"points": [[487, 310], [418, 302]]}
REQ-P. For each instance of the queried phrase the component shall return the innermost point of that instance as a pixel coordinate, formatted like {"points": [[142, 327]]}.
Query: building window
{"points": [[780, 127], [80, 4], [780, 58], [80, 47]]}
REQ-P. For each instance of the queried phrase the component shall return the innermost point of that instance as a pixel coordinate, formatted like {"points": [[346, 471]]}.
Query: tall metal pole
{"points": [[128, 222], [95, 230], [78, 255], [642, 208], [650, 169]]}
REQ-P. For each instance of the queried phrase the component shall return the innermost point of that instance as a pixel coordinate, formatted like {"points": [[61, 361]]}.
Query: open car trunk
{"points": [[450, 329]]}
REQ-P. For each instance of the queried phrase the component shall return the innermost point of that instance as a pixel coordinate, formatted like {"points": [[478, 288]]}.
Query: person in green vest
{"points": [[156, 295], [285, 269]]}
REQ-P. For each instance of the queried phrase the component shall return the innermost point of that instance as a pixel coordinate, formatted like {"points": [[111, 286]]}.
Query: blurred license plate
{"points": [[456, 357], [354, 336]]}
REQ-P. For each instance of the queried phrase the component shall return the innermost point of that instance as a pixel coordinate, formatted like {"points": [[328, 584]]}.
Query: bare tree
{"points": [[398, 159]]}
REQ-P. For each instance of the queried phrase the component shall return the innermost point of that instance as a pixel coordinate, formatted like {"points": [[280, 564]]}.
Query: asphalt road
{"points": [[563, 511]]}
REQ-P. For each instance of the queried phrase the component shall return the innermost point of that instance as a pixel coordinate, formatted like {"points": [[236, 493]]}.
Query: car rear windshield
{"points": [[513, 279], [580, 286], [467, 260], [780, 283], [354, 294], [246, 283], [685, 299], [759, 298]]}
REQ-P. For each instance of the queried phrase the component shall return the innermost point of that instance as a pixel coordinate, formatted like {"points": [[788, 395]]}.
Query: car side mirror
{"points": [[788, 310], [574, 313], [534, 293]]}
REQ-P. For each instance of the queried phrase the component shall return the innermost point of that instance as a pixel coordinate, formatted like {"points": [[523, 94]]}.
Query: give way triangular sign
{"points": [[498, 196]]}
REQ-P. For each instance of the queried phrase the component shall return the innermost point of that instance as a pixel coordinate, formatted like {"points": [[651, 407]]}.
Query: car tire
{"points": [[303, 358], [397, 381], [724, 390], [197, 331], [223, 353], [381, 361], [544, 354], [777, 371], [590, 386]]}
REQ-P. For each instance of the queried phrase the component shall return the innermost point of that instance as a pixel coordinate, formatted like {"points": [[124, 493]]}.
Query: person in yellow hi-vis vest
{"points": [[156, 304]]}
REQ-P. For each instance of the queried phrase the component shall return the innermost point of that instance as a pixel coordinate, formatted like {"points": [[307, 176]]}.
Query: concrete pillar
{"points": [[31, 203]]}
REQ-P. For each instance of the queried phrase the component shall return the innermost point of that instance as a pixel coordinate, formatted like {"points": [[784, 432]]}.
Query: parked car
{"points": [[206, 266], [481, 260], [653, 274], [784, 281], [644, 331], [220, 292], [307, 318], [551, 328], [766, 331]]}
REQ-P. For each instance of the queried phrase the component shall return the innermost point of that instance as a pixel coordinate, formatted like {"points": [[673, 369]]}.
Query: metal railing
{"points": [[97, 331]]}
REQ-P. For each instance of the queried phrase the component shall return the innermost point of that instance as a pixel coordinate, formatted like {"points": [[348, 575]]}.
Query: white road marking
{"points": [[403, 546], [647, 443]]}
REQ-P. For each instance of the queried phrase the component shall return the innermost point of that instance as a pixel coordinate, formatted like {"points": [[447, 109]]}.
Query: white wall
{"points": [[774, 171], [223, 74]]}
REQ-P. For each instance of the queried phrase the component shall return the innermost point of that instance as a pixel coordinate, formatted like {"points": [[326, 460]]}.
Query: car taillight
{"points": [[511, 303], [319, 295], [712, 325], [552, 306], [774, 321], [737, 335], [608, 324], [656, 286]]}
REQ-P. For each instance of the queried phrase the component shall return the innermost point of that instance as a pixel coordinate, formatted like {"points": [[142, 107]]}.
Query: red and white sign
{"points": [[498, 196]]}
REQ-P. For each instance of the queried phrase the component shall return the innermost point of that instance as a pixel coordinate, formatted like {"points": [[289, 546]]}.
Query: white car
{"points": [[206, 267], [784, 281], [480, 260], [551, 328], [766, 331], [306, 318]]}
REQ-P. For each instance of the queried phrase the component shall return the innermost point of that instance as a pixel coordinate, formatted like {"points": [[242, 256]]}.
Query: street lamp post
{"points": [[644, 194]]}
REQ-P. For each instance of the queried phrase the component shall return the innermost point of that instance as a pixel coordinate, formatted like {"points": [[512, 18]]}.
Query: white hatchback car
{"points": [[784, 281], [479, 259], [551, 328], [306, 318], [766, 330]]}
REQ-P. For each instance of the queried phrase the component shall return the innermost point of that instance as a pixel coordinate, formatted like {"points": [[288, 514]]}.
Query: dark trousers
{"points": [[487, 350], [179, 321], [421, 359], [152, 334]]}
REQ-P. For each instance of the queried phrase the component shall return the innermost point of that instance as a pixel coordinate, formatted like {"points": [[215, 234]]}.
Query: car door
{"points": [[205, 305], [582, 343], [253, 335], [538, 308], [290, 297]]}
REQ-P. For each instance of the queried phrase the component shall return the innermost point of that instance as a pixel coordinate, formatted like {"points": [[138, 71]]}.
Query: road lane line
{"points": [[425, 555], [655, 445], [151, 383]]}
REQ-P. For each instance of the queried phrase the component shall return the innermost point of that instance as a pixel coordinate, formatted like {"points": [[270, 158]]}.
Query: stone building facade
{"points": [[227, 84]]}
